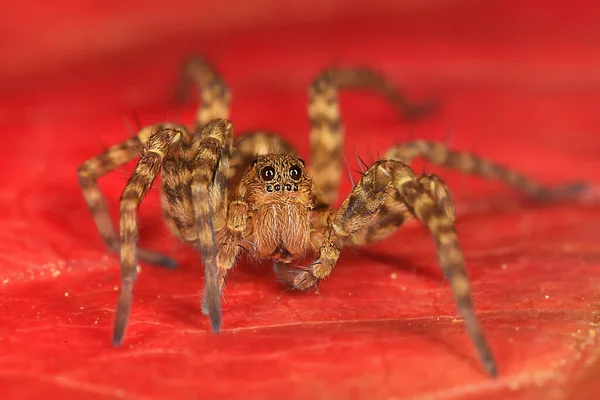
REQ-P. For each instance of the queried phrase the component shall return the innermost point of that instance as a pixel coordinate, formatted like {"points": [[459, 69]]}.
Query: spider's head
{"points": [[278, 189], [278, 177]]}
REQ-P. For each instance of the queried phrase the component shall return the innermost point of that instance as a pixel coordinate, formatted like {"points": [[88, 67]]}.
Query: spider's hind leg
{"points": [[214, 94], [327, 131], [365, 78], [438, 153]]}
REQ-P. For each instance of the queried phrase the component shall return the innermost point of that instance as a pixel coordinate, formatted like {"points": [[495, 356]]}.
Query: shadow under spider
{"points": [[401, 263]]}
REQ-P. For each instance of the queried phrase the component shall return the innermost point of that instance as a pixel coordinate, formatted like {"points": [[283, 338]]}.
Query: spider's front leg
{"points": [[149, 166], [229, 241], [360, 210], [209, 196]]}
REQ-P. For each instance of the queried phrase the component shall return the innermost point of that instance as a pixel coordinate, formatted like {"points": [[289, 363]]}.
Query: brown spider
{"points": [[258, 195]]}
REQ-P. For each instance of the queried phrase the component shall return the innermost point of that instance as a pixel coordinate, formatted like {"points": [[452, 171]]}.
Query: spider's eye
{"points": [[295, 172], [267, 173]]}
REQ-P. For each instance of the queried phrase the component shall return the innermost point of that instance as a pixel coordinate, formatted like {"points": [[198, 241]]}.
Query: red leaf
{"points": [[517, 84]]}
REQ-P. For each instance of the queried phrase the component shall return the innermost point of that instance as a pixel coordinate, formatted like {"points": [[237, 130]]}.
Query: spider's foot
{"points": [[123, 310], [215, 318], [491, 368], [146, 256], [118, 334], [215, 322], [297, 278], [574, 190], [418, 111], [154, 258]]}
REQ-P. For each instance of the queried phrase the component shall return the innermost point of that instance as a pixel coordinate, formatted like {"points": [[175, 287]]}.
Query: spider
{"points": [[259, 196]]}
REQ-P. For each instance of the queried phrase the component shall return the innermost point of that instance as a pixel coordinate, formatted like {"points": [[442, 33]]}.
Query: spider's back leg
{"points": [[366, 78], [326, 123], [214, 94], [326, 137], [438, 153]]}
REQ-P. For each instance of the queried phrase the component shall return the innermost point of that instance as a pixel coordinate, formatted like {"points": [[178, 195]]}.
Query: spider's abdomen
{"points": [[281, 230]]}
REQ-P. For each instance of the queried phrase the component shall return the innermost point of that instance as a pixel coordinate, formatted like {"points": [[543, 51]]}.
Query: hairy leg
{"points": [[304, 278], [89, 173], [176, 194], [178, 168], [209, 197], [230, 240], [326, 138], [450, 255], [394, 212], [438, 153], [365, 78], [361, 207], [214, 93], [326, 123], [154, 151]]}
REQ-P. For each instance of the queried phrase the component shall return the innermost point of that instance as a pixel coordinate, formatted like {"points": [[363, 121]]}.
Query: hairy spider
{"points": [[258, 195]]}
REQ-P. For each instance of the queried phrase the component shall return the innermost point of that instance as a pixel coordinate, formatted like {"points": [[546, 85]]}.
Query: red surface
{"points": [[519, 85]]}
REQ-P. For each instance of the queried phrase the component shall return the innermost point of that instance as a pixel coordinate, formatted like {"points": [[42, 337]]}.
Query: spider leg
{"points": [[366, 78], [326, 124], [394, 212], [305, 278], [209, 197], [438, 153], [437, 189], [178, 168], [214, 93], [360, 208], [140, 181], [89, 173], [230, 240], [326, 138]]}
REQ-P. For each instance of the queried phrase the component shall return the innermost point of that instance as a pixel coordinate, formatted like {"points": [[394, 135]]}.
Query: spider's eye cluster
{"points": [[267, 173], [295, 172]]}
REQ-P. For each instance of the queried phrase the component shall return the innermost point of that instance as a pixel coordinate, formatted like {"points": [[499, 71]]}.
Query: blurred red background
{"points": [[518, 82]]}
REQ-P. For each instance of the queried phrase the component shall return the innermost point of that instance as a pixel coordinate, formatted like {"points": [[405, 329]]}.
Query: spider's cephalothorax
{"points": [[277, 190], [257, 195]]}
